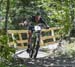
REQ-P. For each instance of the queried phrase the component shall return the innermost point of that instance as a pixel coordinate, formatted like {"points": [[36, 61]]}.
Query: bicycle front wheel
{"points": [[37, 46]]}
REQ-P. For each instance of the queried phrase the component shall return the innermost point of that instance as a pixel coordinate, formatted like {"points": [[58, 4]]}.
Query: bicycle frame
{"points": [[35, 43]]}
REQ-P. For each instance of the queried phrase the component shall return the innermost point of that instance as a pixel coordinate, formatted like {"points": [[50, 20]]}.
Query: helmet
{"points": [[38, 13]]}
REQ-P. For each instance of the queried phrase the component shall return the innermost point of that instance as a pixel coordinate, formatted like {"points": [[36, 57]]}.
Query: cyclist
{"points": [[34, 20]]}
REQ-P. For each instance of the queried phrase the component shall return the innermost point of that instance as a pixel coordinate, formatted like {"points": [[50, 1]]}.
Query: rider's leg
{"points": [[29, 40]]}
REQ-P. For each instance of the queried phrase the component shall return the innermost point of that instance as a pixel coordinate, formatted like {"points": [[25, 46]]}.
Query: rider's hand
{"points": [[47, 27], [25, 23]]}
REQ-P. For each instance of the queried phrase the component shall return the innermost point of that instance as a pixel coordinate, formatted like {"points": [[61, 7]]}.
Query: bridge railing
{"points": [[19, 38]]}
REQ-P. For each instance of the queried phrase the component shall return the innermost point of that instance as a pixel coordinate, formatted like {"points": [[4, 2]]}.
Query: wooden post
{"points": [[41, 41], [21, 39], [15, 45], [52, 32]]}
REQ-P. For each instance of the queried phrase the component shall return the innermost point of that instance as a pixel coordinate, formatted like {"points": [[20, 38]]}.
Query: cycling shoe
{"points": [[28, 50]]}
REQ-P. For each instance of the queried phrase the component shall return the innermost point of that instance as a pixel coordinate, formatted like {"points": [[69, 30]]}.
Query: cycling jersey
{"points": [[35, 20]]}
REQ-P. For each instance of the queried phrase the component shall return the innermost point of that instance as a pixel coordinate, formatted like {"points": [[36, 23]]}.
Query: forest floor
{"points": [[46, 59]]}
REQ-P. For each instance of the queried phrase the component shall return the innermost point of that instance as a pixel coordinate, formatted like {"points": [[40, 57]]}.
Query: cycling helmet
{"points": [[38, 13]]}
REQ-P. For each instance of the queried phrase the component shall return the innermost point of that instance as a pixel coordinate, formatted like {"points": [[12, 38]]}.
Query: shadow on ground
{"points": [[48, 62]]}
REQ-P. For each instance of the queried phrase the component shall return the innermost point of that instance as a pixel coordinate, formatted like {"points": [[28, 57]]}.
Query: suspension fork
{"points": [[38, 39]]}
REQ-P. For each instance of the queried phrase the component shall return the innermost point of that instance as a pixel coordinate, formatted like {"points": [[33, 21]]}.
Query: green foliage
{"points": [[68, 50], [4, 65], [5, 51], [55, 12]]}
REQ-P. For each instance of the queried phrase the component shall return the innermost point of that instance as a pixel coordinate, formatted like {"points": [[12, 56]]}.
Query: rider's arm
{"points": [[32, 19], [42, 21]]}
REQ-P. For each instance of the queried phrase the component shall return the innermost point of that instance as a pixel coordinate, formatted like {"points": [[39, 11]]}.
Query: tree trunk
{"points": [[6, 17]]}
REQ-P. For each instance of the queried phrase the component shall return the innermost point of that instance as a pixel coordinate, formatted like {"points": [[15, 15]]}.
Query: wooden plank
{"points": [[45, 30], [49, 37], [21, 47], [11, 43], [18, 41], [48, 43], [26, 31], [17, 31], [21, 41], [53, 28]]}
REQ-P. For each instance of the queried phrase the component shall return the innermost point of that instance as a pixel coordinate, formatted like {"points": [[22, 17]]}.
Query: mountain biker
{"points": [[34, 20]]}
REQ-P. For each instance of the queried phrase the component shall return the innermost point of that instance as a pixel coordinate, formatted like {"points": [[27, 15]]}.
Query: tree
{"points": [[6, 17], [55, 12]]}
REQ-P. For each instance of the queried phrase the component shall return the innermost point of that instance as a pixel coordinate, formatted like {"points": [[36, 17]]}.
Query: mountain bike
{"points": [[35, 42]]}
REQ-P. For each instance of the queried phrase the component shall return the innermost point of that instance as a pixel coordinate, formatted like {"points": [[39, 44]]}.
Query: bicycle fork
{"points": [[36, 46]]}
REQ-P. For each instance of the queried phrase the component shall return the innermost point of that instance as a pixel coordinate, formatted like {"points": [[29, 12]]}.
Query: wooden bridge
{"points": [[18, 38]]}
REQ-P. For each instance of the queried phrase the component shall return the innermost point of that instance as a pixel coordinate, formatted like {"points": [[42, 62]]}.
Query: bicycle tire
{"points": [[35, 52], [36, 47]]}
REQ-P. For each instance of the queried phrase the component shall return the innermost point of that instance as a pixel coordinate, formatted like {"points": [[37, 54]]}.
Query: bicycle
{"points": [[35, 42]]}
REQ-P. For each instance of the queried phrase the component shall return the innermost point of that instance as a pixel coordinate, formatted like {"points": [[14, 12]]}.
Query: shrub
{"points": [[68, 51], [5, 51]]}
